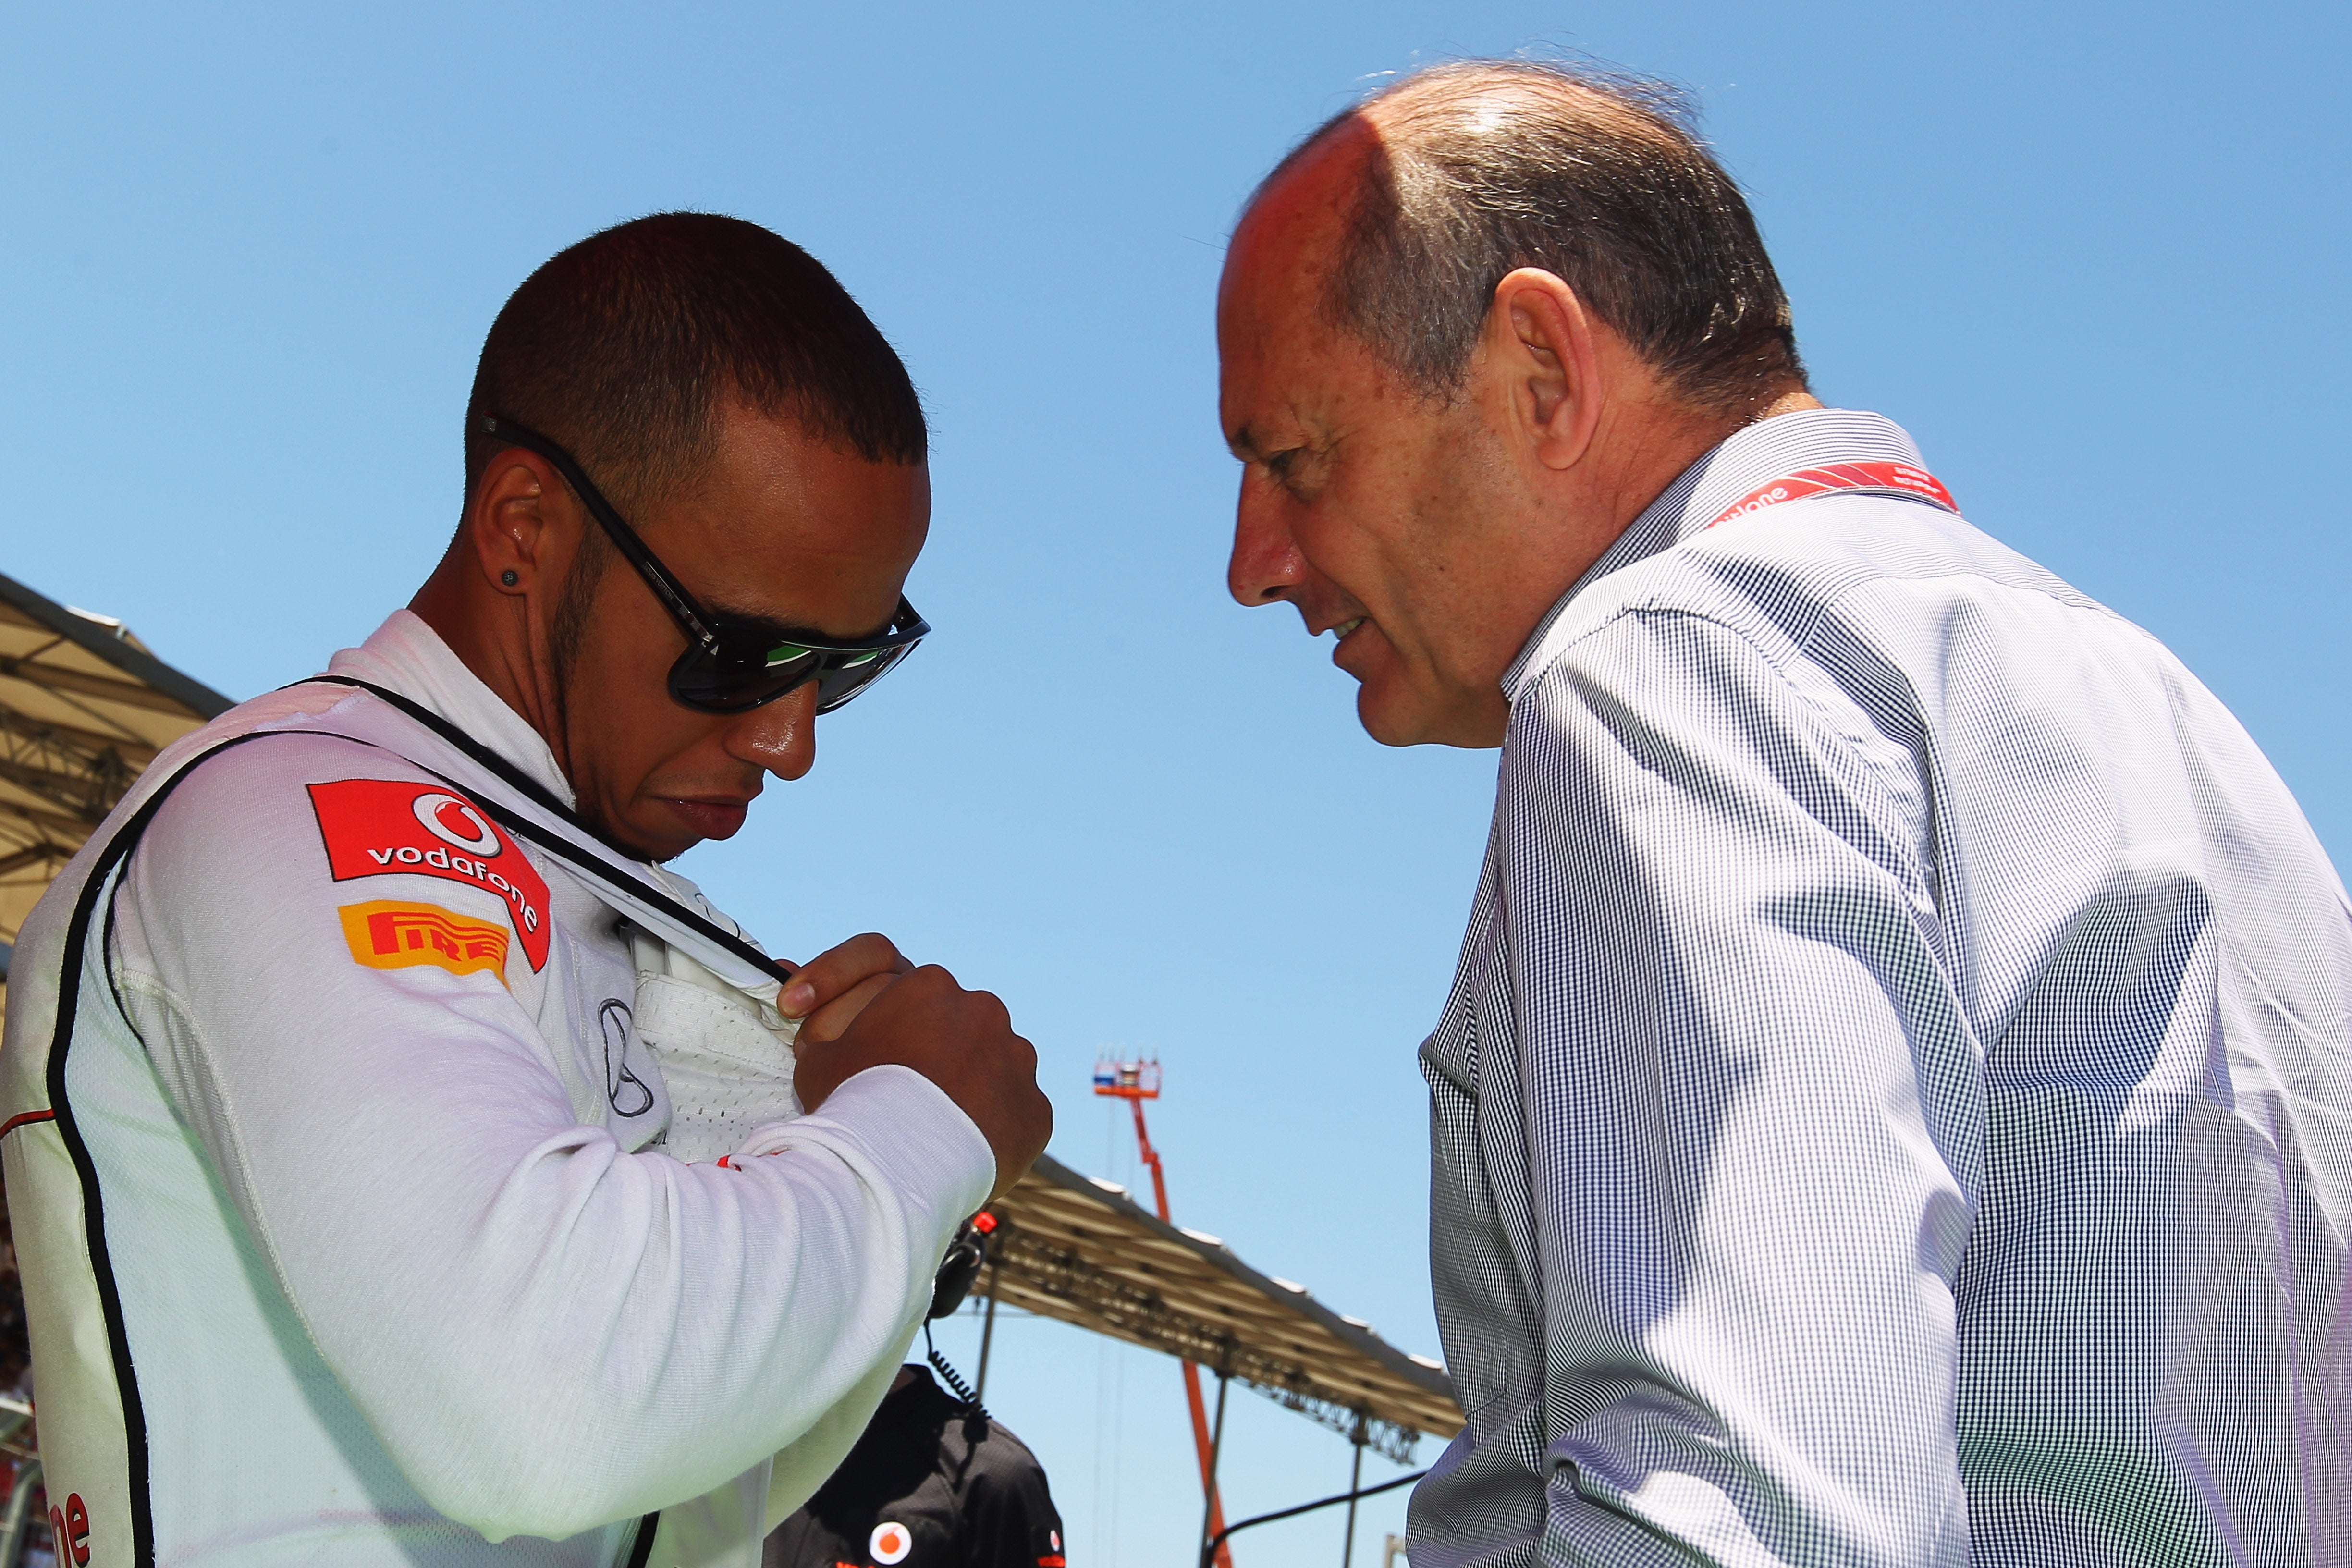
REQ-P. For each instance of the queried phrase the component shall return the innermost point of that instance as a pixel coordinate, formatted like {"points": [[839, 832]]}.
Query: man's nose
{"points": [[778, 737], [1266, 564]]}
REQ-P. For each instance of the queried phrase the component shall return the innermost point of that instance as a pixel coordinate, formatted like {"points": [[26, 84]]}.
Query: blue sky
{"points": [[2092, 256]]}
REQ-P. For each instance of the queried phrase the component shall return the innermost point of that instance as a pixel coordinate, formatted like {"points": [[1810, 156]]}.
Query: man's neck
{"points": [[489, 634], [1664, 452], [1786, 403], [1649, 443]]}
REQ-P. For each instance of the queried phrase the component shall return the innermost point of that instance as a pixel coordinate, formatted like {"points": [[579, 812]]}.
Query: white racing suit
{"points": [[355, 1213]]}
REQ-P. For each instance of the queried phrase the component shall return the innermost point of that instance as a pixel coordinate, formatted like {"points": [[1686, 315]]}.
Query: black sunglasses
{"points": [[730, 664]]}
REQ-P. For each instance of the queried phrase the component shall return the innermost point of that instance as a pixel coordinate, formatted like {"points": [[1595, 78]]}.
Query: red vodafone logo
{"points": [[386, 827], [890, 1542], [1901, 477], [455, 820]]}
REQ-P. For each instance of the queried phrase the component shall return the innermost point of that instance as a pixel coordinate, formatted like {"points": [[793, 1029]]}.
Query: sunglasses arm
{"points": [[690, 615]]}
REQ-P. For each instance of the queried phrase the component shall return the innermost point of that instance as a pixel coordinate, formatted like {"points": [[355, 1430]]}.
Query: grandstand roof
{"points": [[1081, 1250], [84, 708]]}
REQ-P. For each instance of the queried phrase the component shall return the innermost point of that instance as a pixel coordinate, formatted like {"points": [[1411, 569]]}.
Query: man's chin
{"points": [[659, 848], [1388, 721], [654, 834], [1408, 718], [707, 819]]}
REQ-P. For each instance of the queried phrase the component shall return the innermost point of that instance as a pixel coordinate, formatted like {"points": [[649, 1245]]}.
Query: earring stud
{"points": [[509, 577]]}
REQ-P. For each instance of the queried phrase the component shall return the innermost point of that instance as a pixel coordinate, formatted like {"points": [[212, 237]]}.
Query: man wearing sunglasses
{"points": [[408, 1168]]}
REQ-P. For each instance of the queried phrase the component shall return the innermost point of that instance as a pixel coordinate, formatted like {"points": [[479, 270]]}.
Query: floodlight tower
{"points": [[1136, 1082]]}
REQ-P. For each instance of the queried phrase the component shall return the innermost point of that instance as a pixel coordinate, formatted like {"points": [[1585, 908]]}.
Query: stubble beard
{"points": [[567, 634]]}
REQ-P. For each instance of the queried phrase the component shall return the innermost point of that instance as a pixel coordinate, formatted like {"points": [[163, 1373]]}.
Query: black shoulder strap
{"points": [[642, 1550], [556, 843], [522, 783]]}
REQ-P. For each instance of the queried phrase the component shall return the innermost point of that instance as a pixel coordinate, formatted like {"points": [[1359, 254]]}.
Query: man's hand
{"points": [[834, 987], [878, 1011]]}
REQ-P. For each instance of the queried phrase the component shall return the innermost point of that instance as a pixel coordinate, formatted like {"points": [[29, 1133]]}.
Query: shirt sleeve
{"points": [[547, 1332], [1753, 1114], [1009, 1520], [800, 1470]]}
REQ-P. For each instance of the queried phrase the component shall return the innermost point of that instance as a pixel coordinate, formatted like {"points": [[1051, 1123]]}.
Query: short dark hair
{"points": [[623, 348], [1482, 167]]}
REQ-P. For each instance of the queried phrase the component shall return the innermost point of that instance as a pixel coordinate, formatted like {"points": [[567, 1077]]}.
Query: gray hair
{"points": [[1483, 167]]}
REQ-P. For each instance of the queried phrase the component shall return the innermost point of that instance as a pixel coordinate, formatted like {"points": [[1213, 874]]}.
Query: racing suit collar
{"points": [[406, 656]]}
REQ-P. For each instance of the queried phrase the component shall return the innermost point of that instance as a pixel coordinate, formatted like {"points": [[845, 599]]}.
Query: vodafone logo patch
{"points": [[455, 821], [890, 1542], [386, 827]]}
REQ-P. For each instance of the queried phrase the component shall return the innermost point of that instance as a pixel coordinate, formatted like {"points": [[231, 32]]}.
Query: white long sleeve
{"points": [[547, 1330]]}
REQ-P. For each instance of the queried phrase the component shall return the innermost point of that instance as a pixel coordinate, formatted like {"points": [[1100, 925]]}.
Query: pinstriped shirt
{"points": [[1895, 1103]]}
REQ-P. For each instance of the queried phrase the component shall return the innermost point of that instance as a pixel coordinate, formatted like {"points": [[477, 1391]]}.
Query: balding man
{"points": [[1894, 1105], [406, 1167]]}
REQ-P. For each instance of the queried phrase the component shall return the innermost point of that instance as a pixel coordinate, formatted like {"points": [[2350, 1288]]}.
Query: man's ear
{"points": [[1539, 351], [506, 526]]}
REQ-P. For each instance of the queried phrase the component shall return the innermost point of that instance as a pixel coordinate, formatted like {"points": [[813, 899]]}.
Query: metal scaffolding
{"points": [[1082, 1251]]}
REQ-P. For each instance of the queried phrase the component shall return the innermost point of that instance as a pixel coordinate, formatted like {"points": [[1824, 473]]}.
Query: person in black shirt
{"points": [[935, 1482]]}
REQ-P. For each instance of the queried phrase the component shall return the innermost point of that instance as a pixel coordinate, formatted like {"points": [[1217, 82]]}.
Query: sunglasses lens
{"points": [[842, 682], [718, 684], [721, 684]]}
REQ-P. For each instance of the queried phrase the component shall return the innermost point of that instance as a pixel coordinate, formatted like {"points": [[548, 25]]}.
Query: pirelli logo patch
{"points": [[388, 827], [385, 934]]}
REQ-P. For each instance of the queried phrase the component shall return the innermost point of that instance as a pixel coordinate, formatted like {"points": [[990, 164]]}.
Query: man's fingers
{"points": [[961, 1040], [837, 970], [823, 1060], [828, 1022]]}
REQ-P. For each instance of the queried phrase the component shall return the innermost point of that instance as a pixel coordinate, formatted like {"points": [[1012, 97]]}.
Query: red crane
{"points": [[1136, 1082]]}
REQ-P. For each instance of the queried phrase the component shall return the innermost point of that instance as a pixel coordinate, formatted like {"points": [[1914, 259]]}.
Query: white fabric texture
{"points": [[461, 1292], [1891, 1107], [727, 1066]]}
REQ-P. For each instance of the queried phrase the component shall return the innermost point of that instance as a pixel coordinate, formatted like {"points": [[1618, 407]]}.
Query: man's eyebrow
{"points": [[1243, 442]]}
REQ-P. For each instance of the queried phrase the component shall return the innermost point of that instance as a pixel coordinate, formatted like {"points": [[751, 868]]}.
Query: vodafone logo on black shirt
{"points": [[383, 828]]}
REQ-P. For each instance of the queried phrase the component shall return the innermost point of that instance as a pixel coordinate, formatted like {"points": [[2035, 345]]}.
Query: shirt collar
{"points": [[1750, 458], [406, 656]]}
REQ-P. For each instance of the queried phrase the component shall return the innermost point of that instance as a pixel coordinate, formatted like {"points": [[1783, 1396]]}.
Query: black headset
{"points": [[966, 1254]]}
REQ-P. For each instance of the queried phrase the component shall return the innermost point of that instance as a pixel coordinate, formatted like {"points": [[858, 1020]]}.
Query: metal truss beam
{"points": [[16, 860], [107, 686], [137, 753], [1108, 1304], [65, 771]]}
